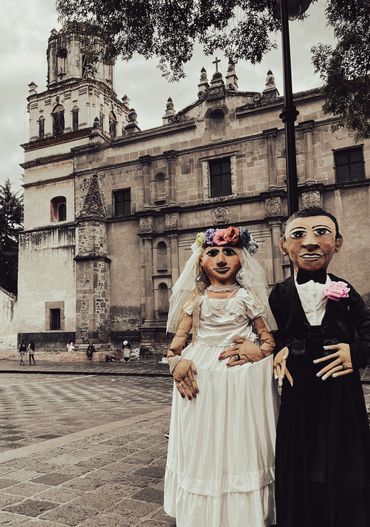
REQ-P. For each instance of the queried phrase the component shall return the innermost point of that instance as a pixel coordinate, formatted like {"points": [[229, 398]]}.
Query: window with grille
{"points": [[220, 177], [349, 164], [122, 202]]}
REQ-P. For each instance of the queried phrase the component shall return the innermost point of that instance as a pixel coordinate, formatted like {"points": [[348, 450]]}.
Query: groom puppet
{"points": [[323, 437]]}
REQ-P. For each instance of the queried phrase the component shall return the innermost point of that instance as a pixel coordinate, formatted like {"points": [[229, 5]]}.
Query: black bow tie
{"points": [[305, 276]]}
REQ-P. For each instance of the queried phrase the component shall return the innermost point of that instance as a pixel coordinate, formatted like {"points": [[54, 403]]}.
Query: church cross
{"points": [[216, 61]]}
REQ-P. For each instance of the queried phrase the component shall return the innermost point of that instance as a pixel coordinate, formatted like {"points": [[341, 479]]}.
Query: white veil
{"points": [[251, 277], [184, 289]]}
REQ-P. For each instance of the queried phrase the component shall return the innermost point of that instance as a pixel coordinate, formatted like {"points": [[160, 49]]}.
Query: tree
{"points": [[242, 29], [345, 68], [11, 218]]}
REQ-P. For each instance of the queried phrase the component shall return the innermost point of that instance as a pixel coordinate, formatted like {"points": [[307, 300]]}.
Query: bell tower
{"points": [[80, 90]]}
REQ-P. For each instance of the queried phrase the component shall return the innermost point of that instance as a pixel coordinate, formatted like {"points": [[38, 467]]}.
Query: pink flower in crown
{"points": [[336, 291], [229, 236]]}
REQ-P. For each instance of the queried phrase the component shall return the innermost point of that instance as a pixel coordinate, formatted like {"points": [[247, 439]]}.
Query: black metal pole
{"points": [[289, 114]]}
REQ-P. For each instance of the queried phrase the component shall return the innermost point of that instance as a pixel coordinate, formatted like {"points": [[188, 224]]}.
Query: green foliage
{"points": [[168, 29], [242, 29], [345, 68], [11, 218]]}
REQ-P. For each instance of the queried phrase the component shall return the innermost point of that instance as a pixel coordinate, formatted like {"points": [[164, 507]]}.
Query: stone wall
{"points": [[8, 336]]}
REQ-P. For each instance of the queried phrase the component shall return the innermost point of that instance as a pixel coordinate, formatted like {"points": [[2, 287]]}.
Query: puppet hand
{"points": [[183, 375], [280, 369], [241, 351], [340, 361]]}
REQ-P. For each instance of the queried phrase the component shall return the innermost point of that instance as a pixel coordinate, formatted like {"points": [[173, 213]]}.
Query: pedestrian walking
{"points": [[90, 350], [22, 351], [31, 352]]}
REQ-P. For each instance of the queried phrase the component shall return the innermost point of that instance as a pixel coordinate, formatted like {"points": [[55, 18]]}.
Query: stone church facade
{"points": [[111, 210]]}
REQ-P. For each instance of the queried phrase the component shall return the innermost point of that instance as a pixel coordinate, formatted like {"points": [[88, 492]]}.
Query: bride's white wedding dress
{"points": [[220, 463]]}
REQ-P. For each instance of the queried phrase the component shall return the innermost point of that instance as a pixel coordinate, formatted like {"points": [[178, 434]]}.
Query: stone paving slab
{"points": [[128, 495]]}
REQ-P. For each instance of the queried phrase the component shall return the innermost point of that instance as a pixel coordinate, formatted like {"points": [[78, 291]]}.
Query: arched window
{"points": [[112, 125], [162, 257], [75, 118], [41, 127], [163, 303], [58, 209], [58, 120]]}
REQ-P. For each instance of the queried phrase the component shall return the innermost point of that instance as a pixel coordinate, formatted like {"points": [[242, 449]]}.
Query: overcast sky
{"points": [[25, 27]]}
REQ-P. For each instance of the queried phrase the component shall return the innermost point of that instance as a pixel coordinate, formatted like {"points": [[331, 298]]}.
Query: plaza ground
{"points": [[84, 446]]}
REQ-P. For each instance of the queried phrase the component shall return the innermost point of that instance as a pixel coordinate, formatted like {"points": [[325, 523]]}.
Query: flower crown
{"points": [[239, 236]]}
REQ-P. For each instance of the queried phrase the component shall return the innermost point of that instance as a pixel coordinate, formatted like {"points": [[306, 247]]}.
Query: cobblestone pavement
{"points": [[84, 450]]}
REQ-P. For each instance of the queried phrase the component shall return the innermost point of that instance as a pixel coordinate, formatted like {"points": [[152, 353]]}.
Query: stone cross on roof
{"points": [[216, 61]]}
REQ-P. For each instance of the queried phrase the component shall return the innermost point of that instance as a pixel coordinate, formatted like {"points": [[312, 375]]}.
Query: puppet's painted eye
{"points": [[297, 234], [322, 230], [212, 252], [228, 251]]}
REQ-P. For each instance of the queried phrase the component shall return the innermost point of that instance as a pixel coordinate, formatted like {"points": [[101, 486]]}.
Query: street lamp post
{"points": [[290, 9]]}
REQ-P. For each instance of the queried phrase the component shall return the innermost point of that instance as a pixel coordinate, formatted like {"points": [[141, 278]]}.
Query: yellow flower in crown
{"points": [[200, 239]]}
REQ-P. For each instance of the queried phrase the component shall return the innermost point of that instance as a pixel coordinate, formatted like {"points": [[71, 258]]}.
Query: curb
{"points": [[74, 372]]}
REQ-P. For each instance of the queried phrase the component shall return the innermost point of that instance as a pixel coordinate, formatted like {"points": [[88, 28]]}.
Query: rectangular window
{"points": [[220, 177], [122, 203], [349, 164], [55, 319]]}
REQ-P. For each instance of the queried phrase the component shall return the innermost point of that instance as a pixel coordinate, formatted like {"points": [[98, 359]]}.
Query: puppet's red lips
{"points": [[222, 270]]}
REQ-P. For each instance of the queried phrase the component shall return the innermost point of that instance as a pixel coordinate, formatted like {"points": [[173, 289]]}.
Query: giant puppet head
{"points": [[310, 239]]}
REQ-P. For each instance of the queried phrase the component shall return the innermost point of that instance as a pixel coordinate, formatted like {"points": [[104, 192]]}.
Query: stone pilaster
{"points": [[277, 256], [171, 156], [270, 136], [174, 257], [306, 128], [148, 280], [146, 162]]}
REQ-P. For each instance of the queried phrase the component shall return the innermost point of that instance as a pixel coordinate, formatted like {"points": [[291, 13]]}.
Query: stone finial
{"points": [[203, 83], [170, 111], [231, 77], [96, 123], [270, 92], [32, 88], [126, 102], [132, 126], [270, 80], [93, 203]]}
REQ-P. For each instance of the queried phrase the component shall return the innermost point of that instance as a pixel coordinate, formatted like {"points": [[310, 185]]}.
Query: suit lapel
{"points": [[297, 310]]}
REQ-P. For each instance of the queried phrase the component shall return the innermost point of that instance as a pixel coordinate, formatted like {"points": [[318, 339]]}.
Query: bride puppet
{"points": [[220, 462]]}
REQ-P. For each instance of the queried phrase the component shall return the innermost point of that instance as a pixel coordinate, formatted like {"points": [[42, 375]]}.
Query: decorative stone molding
{"points": [[220, 215], [311, 198], [273, 206], [171, 221], [146, 224]]}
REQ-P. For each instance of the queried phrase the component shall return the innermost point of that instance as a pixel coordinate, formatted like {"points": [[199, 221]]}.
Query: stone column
{"points": [[174, 257], [307, 129], [277, 256], [146, 162], [171, 156], [270, 136]]}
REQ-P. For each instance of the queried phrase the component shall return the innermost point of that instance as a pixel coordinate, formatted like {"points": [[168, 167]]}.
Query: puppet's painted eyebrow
{"points": [[298, 229], [322, 226]]}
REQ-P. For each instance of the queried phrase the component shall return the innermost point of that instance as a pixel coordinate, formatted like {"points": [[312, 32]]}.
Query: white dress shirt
{"points": [[311, 295]]}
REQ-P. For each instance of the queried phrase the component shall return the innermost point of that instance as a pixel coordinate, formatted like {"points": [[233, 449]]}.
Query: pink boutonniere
{"points": [[336, 291]]}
